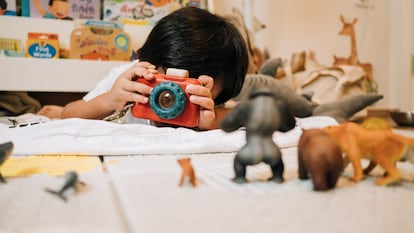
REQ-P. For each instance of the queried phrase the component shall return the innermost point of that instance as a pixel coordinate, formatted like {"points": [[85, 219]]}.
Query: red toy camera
{"points": [[168, 101]]}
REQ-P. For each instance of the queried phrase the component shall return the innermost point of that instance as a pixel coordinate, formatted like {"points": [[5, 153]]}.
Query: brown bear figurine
{"points": [[321, 157]]}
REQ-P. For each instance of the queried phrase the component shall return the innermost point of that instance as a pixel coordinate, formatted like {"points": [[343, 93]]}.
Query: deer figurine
{"points": [[349, 30]]}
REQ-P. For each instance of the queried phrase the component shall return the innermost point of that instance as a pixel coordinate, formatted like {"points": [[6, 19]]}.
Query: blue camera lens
{"points": [[167, 100]]}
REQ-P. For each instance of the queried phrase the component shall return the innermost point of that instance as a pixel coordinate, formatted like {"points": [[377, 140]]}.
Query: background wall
{"points": [[385, 36]]}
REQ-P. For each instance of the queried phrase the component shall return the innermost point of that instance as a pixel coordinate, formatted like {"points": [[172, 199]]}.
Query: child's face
{"points": [[59, 9]]}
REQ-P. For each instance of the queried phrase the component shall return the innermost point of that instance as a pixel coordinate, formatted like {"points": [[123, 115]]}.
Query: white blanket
{"points": [[96, 137]]}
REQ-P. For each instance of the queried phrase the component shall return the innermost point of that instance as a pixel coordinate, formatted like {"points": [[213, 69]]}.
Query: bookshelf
{"points": [[54, 75]]}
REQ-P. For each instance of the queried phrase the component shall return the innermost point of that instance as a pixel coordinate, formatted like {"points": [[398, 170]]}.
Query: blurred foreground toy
{"points": [[374, 123], [261, 115], [321, 157], [187, 172], [5, 151], [71, 182], [379, 146]]}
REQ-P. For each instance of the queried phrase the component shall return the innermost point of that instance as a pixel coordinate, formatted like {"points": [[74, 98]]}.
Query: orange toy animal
{"points": [[321, 157], [383, 147], [187, 171]]}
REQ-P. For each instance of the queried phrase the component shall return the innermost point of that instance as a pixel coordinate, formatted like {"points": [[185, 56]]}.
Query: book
{"points": [[8, 8], [62, 9], [143, 12]]}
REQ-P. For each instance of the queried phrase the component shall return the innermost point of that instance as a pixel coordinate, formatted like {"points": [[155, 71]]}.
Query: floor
{"points": [[141, 194]]}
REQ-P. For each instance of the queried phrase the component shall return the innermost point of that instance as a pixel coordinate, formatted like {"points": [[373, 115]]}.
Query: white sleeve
{"points": [[108, 81]]}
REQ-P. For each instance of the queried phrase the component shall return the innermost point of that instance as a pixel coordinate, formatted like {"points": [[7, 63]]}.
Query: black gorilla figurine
{"points": [[261, 115]]}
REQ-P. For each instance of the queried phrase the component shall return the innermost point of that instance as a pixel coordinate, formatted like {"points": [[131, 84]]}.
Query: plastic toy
{"points": [[5, 151], [168, 101], [187, 172], [71, 181], [262, 115], [300, 106], [379, 146], [321, 157]]}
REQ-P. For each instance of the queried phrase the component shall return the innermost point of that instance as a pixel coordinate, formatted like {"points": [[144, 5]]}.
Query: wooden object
{"points": [[348, 29]]}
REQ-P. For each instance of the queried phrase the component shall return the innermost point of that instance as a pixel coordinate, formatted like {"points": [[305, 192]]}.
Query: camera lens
{"points": [[167, 100]]}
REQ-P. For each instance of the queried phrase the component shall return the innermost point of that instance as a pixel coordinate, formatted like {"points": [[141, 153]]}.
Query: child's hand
{"points": [[126, 90], [202, 96]]}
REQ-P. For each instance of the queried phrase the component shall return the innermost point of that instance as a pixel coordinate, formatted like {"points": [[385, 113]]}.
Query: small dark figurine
{"points": [[321, 157], [71, 181], [261, 115], [5, 151]]}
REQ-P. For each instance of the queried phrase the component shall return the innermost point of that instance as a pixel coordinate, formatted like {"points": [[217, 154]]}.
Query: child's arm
{"points": [[123, 91]]}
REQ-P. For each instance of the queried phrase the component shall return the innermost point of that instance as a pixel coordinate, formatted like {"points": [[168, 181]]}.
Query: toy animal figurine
{"points": [[261, 115], [187, 171], [321, 157], [71, 181], [353, 60], [5, 151], [383, 147]]}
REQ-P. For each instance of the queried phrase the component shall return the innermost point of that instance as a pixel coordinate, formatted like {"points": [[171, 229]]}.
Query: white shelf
{"points": [[56, 75]]}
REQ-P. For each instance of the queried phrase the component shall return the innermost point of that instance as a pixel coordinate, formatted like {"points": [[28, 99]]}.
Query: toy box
{"points": [[99, 40], [8, 7], [42, 45], [62, 9]]}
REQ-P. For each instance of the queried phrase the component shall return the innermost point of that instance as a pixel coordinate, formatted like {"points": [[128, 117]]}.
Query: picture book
{"points": [[62, 9], [141, 12], [8, 7]]}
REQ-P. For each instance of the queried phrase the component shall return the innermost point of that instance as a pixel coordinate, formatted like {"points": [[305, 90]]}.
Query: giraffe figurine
{"points": [[349, 30]]}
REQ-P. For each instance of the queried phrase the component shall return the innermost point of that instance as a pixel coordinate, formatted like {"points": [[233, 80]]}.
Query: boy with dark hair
{"points": [[208, 46]]}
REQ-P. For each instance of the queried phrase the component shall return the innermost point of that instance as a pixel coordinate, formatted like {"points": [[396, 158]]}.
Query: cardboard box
{"points": [[62, 9], [99, 40], [42, 45]]}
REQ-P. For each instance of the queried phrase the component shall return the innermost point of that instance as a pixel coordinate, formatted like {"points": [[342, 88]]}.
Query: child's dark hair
{"points": [[3, 4], [202, 43], [51, 2]]}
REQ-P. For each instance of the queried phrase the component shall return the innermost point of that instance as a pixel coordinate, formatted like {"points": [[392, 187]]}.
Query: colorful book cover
{"points": [[8, 7], [143, 12], [62, 9], [100, 40]]}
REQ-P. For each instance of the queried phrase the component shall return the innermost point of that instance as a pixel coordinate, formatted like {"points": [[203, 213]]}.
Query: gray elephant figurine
{"points": [[261, 115]]}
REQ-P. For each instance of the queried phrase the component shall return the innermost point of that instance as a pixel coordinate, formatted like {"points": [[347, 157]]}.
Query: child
{"points": [[206, 45], [57, 9], [3, 9]]}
